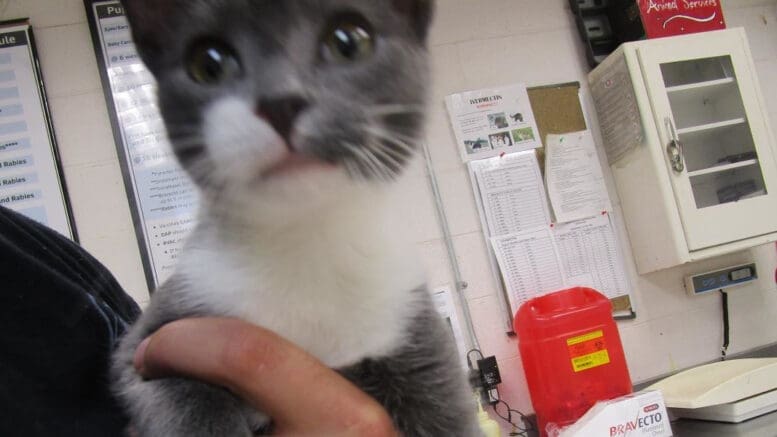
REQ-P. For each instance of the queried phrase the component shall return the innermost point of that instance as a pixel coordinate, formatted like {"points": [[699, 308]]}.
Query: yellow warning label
{"points": [[585, 337], [590, 361], [588, 351]]}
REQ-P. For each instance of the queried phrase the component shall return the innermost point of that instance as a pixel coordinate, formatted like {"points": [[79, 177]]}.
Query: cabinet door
{"points": [[703, 91]]}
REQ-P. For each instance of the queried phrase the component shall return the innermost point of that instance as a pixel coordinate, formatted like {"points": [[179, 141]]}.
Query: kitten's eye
{"points": [[348, 38], [211, 62]]}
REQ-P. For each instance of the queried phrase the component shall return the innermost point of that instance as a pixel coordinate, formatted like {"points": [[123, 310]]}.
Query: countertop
{"points": [[763, 426]]}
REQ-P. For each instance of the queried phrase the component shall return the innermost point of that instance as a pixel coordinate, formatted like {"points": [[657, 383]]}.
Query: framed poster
{"points": [[31, 180], [163, 200]]}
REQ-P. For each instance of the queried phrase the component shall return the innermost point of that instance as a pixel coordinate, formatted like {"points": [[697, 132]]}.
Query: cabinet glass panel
{"points": [[711, 124]]}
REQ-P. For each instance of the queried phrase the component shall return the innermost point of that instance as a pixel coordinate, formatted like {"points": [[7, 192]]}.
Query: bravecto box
{"points": [[641, 414]]}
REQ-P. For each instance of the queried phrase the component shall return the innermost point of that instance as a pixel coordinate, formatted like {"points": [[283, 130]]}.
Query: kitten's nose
{"points": [[281, 112]]}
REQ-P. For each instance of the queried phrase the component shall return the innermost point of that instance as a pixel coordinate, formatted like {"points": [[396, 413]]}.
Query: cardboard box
{"points": [[641, 414]]}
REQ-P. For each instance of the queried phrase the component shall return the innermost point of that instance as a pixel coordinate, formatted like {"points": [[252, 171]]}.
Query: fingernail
{"points": [[140, 354]]}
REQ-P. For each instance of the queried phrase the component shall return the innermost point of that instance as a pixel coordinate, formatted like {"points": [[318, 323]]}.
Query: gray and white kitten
{"points": [[296, 118]]}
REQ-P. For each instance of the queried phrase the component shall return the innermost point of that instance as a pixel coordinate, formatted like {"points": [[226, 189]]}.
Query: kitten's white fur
{"points": [[320, 260]]}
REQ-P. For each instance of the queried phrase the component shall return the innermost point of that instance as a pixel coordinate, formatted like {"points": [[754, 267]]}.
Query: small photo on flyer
{"points": [[500, 141], [477, 145]]}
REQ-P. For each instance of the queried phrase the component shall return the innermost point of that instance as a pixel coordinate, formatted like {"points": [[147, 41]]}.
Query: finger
{"points": [[301, 394]]}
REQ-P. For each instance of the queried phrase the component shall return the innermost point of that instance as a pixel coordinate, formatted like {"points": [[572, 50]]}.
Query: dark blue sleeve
{"points": [[61, 314]]}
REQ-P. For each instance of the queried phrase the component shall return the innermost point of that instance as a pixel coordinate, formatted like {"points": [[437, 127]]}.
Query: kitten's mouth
{"points": [[294, 162]]}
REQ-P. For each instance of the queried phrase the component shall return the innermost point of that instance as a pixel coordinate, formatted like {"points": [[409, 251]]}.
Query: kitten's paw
{"points": [[184, 408]]}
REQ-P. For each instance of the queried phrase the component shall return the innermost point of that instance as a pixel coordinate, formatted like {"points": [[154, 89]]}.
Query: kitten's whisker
{"points": [[395, 109], [384, 172], [393, 163], [367, 160], [403, 146]]}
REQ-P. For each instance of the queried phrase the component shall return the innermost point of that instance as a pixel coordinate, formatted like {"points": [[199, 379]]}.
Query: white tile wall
{"points": [[672, 331], [474, 44]]}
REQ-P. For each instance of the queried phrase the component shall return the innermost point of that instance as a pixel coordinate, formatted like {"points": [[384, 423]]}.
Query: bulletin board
{"points": [[31, 181], [557, 111], [538, 236]]}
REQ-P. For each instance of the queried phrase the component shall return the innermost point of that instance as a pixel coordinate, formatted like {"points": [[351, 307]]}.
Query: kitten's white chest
{"points": [[341, 289]]}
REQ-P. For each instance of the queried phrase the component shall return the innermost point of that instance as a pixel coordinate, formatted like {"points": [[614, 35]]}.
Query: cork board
{"points": [[557, 111]]}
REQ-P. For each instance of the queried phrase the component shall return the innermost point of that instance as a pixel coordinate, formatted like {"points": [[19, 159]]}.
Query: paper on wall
{"points": [[529, 264], [574, 176], [512, 193], [616, 105], [443, 301], [590, 256], [490, 122], [582, 253]]}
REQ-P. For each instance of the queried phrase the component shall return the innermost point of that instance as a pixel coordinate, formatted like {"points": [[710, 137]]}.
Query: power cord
{"points": [[521, 431], [484, 378], [726, 326]]}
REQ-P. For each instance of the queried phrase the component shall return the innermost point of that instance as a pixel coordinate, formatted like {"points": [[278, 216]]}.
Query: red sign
{"points": [[675, 17]]}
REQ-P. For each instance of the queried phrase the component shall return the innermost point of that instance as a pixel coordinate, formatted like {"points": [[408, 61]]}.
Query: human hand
{"points": [[302, 395]]}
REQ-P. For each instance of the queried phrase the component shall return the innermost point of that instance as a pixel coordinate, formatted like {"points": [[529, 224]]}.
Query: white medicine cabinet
{"points": [[691, 152]]}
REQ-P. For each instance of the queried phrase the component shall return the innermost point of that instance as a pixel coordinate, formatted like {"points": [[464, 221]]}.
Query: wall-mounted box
{"points": [[691, 153], [605, 24]]}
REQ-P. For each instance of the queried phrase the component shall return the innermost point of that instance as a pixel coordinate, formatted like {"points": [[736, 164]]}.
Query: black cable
{"points": [[726, 327], [517, 429]]}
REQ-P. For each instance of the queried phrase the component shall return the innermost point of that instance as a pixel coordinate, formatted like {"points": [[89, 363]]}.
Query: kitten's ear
{"points": [[419, 12], [150, 23]]}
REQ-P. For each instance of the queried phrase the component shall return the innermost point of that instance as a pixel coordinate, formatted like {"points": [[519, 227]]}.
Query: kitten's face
{"points": [[278, 93]]}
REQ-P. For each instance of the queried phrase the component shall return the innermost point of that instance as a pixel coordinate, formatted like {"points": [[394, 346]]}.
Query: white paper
{"points": [[443, 301], [511, 192], [529, 265], [616, 105], [29, 175], [493, 121], [590, 256], [574, 177], [165, 198], [583, 253]]}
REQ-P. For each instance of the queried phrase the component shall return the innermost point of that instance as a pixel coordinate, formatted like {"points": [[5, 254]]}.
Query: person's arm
{"points": [[303, 396]]}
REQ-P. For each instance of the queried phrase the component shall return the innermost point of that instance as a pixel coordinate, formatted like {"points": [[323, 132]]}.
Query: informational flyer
{"points": [[164, 200], [494, 121], [30, 174], [574, 177], [616, 105]]}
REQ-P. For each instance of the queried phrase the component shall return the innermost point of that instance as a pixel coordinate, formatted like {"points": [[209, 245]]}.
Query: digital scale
{"points": [[726, 391]]}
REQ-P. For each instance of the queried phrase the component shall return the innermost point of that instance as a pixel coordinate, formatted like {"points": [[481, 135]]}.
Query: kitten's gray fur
{"points": [[419, 382]]}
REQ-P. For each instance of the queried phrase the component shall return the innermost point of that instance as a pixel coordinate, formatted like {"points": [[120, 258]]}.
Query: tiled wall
{"points": [[475, 43], [487, 43]]}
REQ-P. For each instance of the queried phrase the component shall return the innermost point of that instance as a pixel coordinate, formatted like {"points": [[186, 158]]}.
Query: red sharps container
{"points": [[572, 354]]}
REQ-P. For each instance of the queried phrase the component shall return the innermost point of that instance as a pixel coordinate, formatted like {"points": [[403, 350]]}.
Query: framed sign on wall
{"points": [[31, 181], [163, 200]]}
